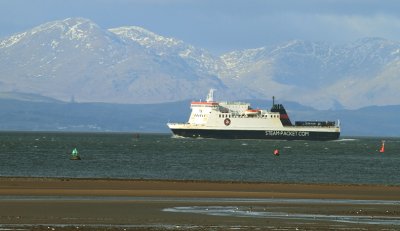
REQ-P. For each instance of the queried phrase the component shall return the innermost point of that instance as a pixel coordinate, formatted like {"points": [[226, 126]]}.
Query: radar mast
{"points": [[210, 96]]}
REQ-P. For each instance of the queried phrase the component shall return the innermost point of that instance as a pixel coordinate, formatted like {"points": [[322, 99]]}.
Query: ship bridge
{"points": [[201, 111]]}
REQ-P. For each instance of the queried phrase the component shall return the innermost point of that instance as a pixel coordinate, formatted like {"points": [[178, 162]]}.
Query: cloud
{"points": [[351, 27]]}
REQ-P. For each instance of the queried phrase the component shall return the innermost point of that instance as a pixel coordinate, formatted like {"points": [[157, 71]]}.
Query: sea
{"points": [[349, 160]]}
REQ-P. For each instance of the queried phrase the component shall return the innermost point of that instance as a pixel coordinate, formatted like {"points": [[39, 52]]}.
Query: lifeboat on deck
{"points": [[252, 112]]}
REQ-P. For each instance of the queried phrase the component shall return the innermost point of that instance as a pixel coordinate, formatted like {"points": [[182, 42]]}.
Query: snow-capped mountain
{"points": [[76, 59], [353, 75]]}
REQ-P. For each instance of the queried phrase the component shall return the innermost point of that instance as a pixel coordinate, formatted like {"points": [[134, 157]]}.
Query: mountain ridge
{"points": [[76, 59]]}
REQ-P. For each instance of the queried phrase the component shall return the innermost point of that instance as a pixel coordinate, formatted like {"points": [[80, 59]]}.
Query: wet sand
{"points": [[105, 204]]}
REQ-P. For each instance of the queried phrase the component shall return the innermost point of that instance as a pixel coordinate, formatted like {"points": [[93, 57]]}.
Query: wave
{"points": [[344, 140]]}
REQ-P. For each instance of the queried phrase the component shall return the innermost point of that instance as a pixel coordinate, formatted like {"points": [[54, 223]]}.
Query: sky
{"points": [[219, 25]]}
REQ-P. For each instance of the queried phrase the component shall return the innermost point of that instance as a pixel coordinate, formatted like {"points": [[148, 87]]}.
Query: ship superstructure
{"points": [[238, 120]]}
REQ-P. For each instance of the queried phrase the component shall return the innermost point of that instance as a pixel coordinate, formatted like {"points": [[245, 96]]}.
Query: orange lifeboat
{"points": [[252, 112]]}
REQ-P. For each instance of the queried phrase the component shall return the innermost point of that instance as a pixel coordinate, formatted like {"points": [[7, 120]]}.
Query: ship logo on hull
{"points": [[227, 122]]}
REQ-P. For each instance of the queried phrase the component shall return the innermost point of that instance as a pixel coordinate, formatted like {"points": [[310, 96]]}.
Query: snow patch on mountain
{"points": [[199, 59], [146, 38]]}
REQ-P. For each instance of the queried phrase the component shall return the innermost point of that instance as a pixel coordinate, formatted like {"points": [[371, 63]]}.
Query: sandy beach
{"points": [[105, 204]]}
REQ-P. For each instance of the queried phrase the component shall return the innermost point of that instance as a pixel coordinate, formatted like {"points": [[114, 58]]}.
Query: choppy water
{"points": [[111, 155]]}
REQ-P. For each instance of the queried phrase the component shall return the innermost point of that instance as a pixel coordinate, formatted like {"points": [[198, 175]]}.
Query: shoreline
{"points": [[39, 186], [36, 203], [40, 178]]}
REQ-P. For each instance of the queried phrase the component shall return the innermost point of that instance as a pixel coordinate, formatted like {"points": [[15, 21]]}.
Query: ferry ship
{"points": [[237, 120]]}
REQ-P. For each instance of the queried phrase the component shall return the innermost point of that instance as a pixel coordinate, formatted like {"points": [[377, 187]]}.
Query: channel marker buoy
{"points": [[382, 150], [75, 155]]}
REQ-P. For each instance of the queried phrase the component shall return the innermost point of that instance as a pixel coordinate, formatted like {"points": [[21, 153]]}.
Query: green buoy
{"points": [[75, 155]]}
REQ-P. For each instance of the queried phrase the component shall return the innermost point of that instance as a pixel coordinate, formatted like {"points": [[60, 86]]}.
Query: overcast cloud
{"points": [[217, 25]]}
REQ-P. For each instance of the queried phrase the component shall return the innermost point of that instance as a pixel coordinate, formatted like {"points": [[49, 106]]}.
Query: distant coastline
{"points": [[17, 115]]}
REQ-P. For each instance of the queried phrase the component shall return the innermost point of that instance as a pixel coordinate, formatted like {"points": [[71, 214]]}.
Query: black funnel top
{"points": [[282, 112]]}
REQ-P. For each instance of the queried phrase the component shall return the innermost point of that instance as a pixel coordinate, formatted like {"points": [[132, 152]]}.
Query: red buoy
{"points": [[382, 150], [276, 152]]}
